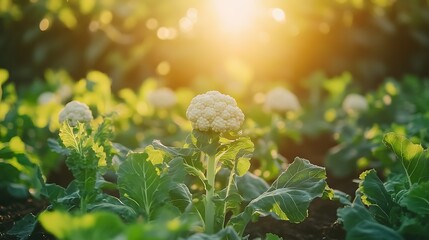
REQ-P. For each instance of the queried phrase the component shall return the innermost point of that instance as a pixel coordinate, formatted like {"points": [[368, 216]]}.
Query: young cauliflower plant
{"points": [[216, 119], [86, 143], [218, 113]]}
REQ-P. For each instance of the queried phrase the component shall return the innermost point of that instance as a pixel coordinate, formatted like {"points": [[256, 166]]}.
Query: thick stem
{"points": [[210, 207]]}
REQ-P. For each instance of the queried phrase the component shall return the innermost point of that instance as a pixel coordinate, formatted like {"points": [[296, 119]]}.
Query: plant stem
{"points": [[83, 205], [210, 207], [228, 189]]}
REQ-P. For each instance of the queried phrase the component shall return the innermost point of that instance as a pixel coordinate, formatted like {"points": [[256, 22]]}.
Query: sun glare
{"points": [[235, 15]]}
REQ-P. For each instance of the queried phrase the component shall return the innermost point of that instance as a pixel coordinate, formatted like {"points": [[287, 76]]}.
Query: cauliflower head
{"points": [[216, 112], [45, 98], [354, 103], [74, 112], [281, 100], [162, 98]]}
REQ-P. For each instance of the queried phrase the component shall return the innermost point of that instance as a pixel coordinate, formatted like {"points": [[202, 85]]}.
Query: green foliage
{"points": [[24, 227], [20, 176], [88, 150], [151, 193], [288, 197], [414, 159], [397, 208], [99, 225]]}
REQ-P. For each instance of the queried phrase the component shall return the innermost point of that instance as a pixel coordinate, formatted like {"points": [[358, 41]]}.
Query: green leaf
{"points": [[91, 226], [207, 142], [23, 228], [359, 224], [270, 236], [417, 199], [251, 186], [237, 155], [414, 159], [111, 204], [175, 152], [8, 173], [181, 197], [375, 195], [289, 196], [141, 185]]}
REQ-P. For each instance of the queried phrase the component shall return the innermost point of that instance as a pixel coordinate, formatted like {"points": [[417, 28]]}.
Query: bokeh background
{"points": [[190, 42]]}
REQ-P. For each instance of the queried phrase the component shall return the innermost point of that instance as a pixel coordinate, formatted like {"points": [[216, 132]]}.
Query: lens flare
{"points": [[235, 15]]}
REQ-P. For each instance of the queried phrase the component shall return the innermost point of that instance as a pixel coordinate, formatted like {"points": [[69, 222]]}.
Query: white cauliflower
{"points": [[214, 111], [74, 112], [354, 103], [281, 100], [162, 98], [45, 98]]}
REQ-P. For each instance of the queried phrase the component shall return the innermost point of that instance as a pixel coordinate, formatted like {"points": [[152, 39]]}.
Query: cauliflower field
{"points": [[155, 120]]}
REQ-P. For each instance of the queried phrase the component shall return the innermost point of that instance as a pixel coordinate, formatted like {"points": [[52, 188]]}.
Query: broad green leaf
{"points": [[417, 199], [91, 226], [359, 224], [414, 159], [375, 196], [24, 227], [141, 185], [250, 186], [289, 196]]}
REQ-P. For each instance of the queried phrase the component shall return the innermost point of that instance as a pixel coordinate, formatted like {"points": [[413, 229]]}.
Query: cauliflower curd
{"points": [[354, 103], [74, 112], [281, 100], [214, 111], [162, 98]]}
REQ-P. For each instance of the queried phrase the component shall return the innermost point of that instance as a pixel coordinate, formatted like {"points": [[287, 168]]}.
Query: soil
{"points": [[320, 224], [14, 211]]}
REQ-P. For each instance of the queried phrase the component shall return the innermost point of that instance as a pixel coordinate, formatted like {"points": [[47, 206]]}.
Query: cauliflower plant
{"points": [[281, 100], [74, 112], [354, 103], [162, 98], [45, 98], [214, 111]]}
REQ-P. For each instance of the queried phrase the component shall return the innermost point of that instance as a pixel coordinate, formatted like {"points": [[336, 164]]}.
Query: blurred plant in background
{"points": [[184, 42]]}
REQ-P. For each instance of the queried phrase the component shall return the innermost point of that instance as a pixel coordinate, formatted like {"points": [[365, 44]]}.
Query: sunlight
{"points": [[235, 15]]}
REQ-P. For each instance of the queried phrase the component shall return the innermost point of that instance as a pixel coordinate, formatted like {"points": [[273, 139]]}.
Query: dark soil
{"points": [[14, 211], [320, 224]]}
